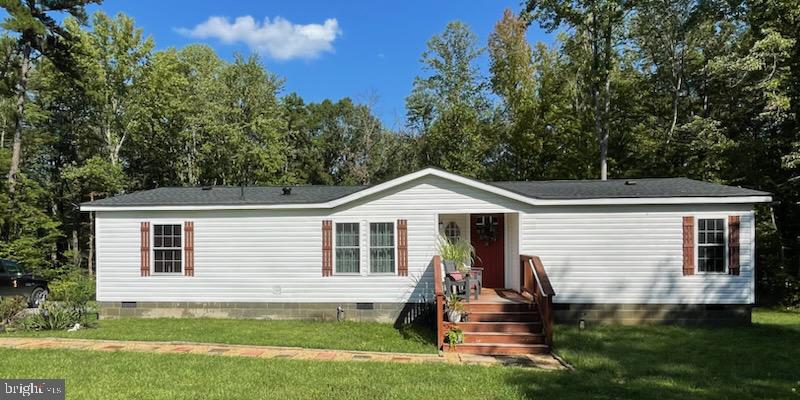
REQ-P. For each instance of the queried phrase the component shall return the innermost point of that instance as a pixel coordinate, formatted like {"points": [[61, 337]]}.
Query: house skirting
{"points": [[635, 314], [397, 313]]}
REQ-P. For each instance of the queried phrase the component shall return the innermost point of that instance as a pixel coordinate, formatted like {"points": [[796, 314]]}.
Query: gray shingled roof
{"points": [[226, 195], [625, 188], [310, 194]]}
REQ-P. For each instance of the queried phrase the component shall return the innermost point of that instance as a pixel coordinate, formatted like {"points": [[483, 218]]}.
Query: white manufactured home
{"points": [[643, 250]]}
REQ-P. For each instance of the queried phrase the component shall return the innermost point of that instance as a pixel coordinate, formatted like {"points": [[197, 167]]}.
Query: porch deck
{"points": [[500, 296]]}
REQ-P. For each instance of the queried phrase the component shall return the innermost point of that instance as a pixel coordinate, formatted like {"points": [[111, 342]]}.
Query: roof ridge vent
{"points": [[630, 183], [287, 190], [206, 188]]}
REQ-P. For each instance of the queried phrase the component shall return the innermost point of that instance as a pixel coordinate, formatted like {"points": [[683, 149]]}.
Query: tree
{"points": [[513, 79], [97, 178], [39, 33], [449, 107], [249, 145], [113, 57], [598, 27]]}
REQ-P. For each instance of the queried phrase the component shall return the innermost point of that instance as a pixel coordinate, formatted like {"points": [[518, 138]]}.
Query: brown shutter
{"points": [[145, 247], [327, 248], [733, 245], [188, 248], [402, 247], [688, 245]]}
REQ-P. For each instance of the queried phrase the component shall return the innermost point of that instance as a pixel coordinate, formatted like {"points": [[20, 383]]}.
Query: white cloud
{"points": [[277, 38]]}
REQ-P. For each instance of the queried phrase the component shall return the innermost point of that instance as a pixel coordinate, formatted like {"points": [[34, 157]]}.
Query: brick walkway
{"points": [[545, 362]]}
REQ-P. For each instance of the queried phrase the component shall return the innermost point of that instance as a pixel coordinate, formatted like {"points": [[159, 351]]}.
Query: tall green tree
{"points": [[39, 34], [113, 58], [449, 107], [599, 28]]}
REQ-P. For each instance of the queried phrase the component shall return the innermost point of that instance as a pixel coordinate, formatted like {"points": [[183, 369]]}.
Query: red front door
{"points": [[487, 237]]}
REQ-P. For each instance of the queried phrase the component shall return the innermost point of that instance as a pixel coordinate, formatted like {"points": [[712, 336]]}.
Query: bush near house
{"points": [[10, 307]]}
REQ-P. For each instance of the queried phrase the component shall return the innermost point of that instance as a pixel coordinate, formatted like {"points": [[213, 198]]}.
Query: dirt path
{"points": [[545, 362]]}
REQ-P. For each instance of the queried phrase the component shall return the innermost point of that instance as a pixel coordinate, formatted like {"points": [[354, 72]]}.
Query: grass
{"points": [[367, 336], [613, 362], [98, 375]]}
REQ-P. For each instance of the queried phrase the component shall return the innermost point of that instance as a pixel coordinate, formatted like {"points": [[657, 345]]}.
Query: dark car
{"points": [[15, 282]]}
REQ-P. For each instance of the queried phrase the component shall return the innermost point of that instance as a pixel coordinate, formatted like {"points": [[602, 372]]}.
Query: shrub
{"points": [[75, 289], [11, 306], [53, 316]]}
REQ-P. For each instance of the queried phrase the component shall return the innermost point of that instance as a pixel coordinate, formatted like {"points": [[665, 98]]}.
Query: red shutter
{"points": [[188, 248], [688, 245], [145, 247], [327, 248], [733, 245], [402, 247]]}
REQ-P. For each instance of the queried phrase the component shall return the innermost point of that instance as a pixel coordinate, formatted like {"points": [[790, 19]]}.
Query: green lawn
{"points": [[366, 336], [650, 362]]}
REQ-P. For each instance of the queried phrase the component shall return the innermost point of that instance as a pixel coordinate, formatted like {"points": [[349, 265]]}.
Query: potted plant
{"points": [[455, 308], [457, 254], [455, 336]]}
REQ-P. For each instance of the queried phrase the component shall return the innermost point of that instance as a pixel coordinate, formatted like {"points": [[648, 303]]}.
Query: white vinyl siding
{"points": [[632, 254]]}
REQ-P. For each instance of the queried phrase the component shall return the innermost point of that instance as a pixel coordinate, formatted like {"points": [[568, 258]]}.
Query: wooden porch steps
{"points": [[501, 322], [507, 327], [502, 348], [505, 316], [504, 337]]}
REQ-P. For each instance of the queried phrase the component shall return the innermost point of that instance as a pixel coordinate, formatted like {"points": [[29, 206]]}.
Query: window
{"points": [[381, 247], [167, 250], [12, 268], [348, 256], [452, 232], [711, 245]]}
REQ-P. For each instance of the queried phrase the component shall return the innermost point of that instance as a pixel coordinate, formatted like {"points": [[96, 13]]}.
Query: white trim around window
{"points": [[365, 268], [153, 248], [697, 244], [394, 248], [361, 242]]}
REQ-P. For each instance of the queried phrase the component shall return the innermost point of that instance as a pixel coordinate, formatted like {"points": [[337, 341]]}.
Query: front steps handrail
{"points": [[536, 283]]}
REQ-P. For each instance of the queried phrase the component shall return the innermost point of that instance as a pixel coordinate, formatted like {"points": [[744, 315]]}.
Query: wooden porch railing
{"points": [[536, 283], [439, 293]]}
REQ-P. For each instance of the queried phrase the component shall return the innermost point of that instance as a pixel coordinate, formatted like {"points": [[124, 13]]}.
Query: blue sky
{"points": [[372, 49]]}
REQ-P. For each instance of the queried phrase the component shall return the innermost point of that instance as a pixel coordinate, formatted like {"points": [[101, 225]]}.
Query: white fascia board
{"points": [[451, 177], [655, 201]]}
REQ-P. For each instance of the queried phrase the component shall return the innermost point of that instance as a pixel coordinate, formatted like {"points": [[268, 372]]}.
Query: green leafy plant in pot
{"points": [[455, 336], [455, 308], [457, 253]]}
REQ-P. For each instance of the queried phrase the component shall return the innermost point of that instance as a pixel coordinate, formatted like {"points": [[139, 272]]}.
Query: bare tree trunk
{"points": [[675, 98], [90, 261], [3, 132], [607, 61], [76, 250], [54, 249], [17, 146], [606, 129], [601, 136]]}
